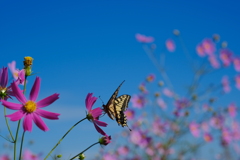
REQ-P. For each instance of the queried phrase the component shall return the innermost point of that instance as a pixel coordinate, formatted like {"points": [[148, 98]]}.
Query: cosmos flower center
{"points": [[30, 106], [15, 74], [89, 116]]}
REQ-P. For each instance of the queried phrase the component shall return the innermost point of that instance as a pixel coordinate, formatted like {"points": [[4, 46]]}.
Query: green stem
{"points": [[16, 138], [84, 151], [20, 155], [6, 120], [63, 138]]}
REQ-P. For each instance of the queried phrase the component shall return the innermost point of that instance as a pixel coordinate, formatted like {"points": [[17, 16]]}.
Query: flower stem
{"points": [[16, 138], [20, 155], [63, 138], [83, 151], [6, 120]]}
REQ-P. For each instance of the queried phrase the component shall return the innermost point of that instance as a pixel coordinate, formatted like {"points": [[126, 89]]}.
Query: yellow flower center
{"points": [[30, 106], [15, 74], [27, 61]]}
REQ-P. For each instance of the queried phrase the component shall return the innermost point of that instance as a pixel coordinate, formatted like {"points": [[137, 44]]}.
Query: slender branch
{"points": [[63, 138], [83, 151]]}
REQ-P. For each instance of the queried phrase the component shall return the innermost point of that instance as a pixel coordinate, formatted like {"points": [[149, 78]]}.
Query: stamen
{"points": [[30, 106]]}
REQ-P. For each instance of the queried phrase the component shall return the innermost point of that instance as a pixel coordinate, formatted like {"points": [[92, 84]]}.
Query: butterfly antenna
{"points": [[101, 100]]}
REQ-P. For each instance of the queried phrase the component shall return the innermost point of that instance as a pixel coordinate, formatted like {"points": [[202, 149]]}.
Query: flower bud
{"points": [[105, 140], [81, 156], [27, 61], [59, 156], [224, 44], [176, 32]]}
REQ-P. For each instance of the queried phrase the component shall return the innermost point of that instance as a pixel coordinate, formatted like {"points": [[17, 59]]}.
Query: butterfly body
{"points": [[116, 107]]}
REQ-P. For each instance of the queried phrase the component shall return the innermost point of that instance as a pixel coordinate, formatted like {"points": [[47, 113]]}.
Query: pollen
{"points": [[27, 61], [30, 106]]}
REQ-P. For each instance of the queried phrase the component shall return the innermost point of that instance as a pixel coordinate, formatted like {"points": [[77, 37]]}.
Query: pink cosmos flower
{"points": [[142, 88], [170, 45], [200, 50], [236, 62], [217, 121], [123, 150], [151, 77], [225, 84], [31, 110], [139, 137], [232, 110], [226, 136], [207, 137], [28, 155], [130, 114], [205, 126], [237, 79], [93, 115], [209, 46], [182, 103], [161, 103], [194, 129], [5, 157], [159, 127], [226, 56], [5, 91], [168, 92], [214, 61], [110, 157], [144, 39], [18, 75], [138, 101]]}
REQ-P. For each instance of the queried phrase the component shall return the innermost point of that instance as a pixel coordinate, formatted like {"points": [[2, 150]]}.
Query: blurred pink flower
{"points": [[109, 156], [200, 50], [237, 80], [31, 110], [123, 150], [93, 115], [130, 114], [151, 77], [232, 110], [5, 157], [207, 137], [226, 56], [144, 39], [209, 46], [161, 103], [236, 62], [182, 103], [225, 84], [142, 88], [28, 155], [18, 75], [150, 151], [205, 126], [194, 129], [138, 101], [170, 45], [139, 137], [217, 121], [213, 61], [168, 92], [159, 127], [226, 136]]}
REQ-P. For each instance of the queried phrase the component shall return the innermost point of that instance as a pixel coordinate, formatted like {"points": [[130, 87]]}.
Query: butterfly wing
{"points": [[121, 105], [109, 107]]}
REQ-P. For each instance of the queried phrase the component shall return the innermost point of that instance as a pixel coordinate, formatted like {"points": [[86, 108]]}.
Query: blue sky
{"points": [[89, 46]]}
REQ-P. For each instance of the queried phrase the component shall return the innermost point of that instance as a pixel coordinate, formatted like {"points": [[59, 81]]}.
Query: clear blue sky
{"points": [[89, 46]]}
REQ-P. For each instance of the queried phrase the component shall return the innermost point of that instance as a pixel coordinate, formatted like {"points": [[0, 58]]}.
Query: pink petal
{"points": [[18, 93], [16, 116], [12, 66], [11, 105], [47, 101], [47, 114], [100, 123], [35, 89], [39, 122], [27, 122], [4, 77], [99, 129], [96, 112], [90, 101]]}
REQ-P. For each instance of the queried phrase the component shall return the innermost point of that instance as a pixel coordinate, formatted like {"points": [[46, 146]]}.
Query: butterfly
{"points": [[116, 107]]}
